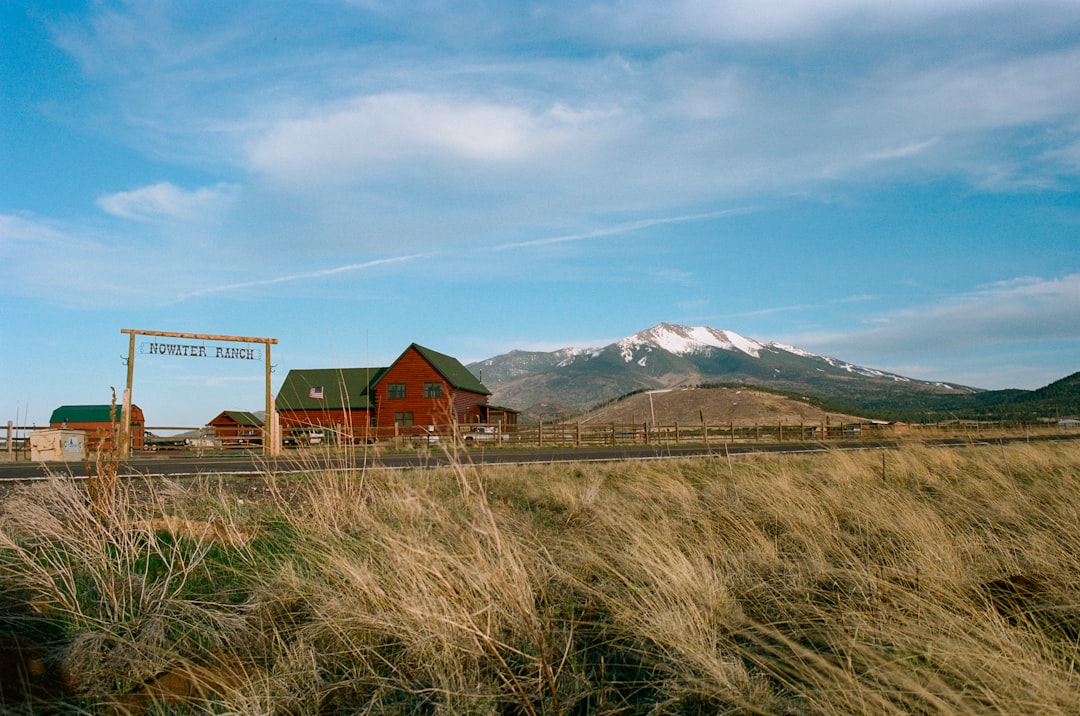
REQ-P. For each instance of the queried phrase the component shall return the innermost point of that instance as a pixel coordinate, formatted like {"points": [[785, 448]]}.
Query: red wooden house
{"points": [[423, 390]]}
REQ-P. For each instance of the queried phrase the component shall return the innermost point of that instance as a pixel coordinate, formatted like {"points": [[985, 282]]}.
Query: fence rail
{"points": [[14, 442]]}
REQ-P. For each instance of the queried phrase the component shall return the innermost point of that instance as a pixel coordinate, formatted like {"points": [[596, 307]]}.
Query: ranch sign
{"points": [[187, 350], [157, 347]]}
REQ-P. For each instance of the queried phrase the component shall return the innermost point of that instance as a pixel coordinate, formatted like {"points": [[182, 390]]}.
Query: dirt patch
{"points": [[213, 531], [186, 686]]}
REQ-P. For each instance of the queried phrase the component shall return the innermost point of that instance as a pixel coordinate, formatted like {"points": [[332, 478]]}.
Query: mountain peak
{"points": [[686, 340]]}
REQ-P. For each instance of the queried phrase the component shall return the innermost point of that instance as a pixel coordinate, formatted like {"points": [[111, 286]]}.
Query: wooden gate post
{"points": [[125, 411]]}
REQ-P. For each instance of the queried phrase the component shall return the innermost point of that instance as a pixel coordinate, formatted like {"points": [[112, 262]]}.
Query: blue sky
{"points": [[893, 184]]}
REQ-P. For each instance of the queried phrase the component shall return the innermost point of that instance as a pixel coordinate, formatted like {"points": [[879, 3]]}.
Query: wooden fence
{"points": [[583, 434], [14, 442], [597, 434]]}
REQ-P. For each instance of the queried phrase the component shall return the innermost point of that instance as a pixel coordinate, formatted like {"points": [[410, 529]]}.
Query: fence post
{"points": [[540, 433], [10, 426], [613, 442]]}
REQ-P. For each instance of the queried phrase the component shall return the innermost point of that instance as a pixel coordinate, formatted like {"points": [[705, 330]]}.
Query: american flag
{"points": [[316, 393]]}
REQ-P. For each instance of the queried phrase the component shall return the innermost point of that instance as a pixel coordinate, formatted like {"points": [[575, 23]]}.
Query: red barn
{"points": [[94, 419]]}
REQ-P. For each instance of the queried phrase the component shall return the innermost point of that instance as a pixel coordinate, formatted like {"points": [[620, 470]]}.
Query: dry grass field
{"points": [[930, 581]]}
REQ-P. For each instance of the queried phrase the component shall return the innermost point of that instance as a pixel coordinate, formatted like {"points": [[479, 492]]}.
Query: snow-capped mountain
{"points": [[669, 355], [685, 340]]}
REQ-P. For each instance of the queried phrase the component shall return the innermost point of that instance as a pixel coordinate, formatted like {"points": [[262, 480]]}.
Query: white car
{"points": [[477, 433]]}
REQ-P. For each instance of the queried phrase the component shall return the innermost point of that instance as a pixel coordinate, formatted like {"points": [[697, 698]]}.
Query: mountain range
{"points": [[669, 355]]}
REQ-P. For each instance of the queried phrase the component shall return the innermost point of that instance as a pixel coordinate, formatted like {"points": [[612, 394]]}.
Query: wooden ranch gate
{"points": [[271, 446]]}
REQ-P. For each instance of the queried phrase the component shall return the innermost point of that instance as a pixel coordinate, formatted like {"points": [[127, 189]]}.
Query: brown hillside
{"points": [[740, 406]]}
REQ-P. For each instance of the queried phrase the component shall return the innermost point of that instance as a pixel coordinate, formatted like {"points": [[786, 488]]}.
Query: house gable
{"points": [[424, 387], [457, 375]]}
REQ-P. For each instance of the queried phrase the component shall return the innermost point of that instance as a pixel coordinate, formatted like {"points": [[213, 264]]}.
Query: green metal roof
{"points": [[456, 374], [341, 389], [245, 418], [83, 414]]}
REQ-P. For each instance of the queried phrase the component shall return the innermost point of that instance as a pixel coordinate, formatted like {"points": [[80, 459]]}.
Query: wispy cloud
{"points": [[903, 151], [780, 21], [21, 234], [1022, 310], [803, 307], [304, 276], [165, 201], [625, 228], [70, 265], [518, 246]]}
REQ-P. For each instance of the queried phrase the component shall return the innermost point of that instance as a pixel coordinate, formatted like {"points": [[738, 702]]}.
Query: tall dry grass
{"points": [[936, 581]]}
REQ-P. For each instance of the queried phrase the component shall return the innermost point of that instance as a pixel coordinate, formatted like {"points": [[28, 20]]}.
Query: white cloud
{"points": [[606, 125], [391, 127], [166, 201]]}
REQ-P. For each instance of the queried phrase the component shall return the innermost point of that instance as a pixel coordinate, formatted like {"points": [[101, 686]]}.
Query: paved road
{"points": [[179, 466]]}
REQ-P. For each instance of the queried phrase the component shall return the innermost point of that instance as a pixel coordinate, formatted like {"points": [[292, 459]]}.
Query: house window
{"points": [[395, 391], [432, 390], [403, 420]]}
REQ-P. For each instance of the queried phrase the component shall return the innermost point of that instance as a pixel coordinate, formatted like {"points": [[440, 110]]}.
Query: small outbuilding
{"points": [[57, 444], [238, 427], [99, 426]]}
